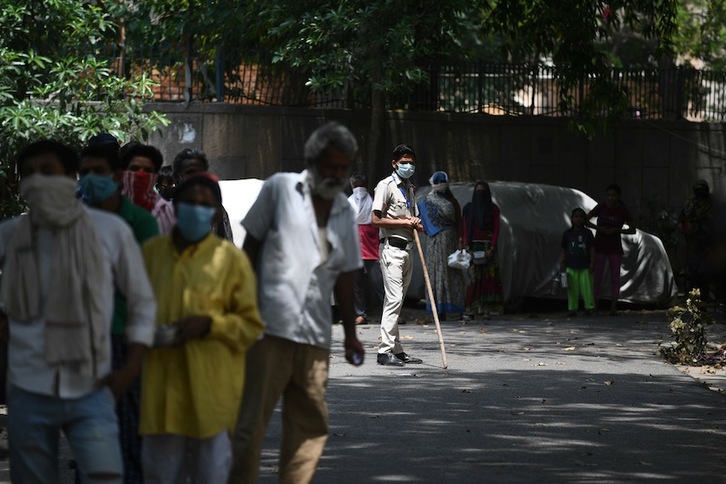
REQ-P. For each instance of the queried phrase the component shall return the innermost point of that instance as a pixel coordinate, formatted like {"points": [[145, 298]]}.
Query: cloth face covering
{"points": [[74, 333], [139, 187], [440, 187], [364, 203]]}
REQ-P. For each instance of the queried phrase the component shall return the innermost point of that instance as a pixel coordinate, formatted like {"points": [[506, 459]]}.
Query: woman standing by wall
{"points": [[445, 229], [611, 217], [481, 232]]}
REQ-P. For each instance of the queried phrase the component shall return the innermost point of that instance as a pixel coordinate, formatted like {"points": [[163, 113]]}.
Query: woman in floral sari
{"points": [[481, 231], [444, 227]]}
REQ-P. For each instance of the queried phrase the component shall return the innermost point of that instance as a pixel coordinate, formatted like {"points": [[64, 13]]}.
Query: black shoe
{"points": [[408, 359], [389, 359]]}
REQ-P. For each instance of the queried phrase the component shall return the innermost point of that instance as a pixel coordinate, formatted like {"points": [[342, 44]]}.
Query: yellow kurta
{"points": [[195, 389]]}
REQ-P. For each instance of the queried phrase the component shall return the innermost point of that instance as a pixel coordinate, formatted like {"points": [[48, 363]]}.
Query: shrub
{"points": [[688, 329]]}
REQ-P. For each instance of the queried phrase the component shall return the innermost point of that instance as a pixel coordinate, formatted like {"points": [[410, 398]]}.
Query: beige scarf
{"points": [[76, 332]]}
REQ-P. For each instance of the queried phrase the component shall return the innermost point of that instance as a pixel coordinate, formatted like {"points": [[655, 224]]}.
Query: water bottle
{"points": [[555, 283], [564, 280]]}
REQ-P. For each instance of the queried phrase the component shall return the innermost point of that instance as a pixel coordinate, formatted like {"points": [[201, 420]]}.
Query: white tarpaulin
{"points": [[237, 198], [533, 218]]}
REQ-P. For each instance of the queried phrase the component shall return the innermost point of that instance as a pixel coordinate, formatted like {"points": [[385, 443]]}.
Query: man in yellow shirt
{"points": [[207, 318]]}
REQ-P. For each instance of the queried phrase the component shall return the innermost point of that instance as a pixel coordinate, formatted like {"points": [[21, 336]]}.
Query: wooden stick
{"points": [[431, 297]]}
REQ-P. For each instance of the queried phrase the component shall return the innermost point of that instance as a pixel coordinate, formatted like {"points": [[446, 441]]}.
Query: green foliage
{"points": [[688, 328], [375, 49], [576, 36], [53, 85], [359, 44], [702, 33], [170, 24]]}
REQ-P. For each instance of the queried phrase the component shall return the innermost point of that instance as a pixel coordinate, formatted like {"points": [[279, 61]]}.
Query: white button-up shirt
{"points": [[395, 198], [123, 269], [295, 281]]}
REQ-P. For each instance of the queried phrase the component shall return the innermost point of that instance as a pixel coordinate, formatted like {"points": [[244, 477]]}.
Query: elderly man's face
{"points": [[334, 164]]}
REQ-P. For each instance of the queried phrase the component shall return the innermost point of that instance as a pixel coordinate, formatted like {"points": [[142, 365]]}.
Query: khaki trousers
{"points": [[396, 268], [298, 373]]}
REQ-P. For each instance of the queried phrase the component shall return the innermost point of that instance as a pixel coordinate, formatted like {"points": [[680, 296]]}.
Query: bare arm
{"points": [[120, 380], [377, 220], [590, 215], [252, 248]]}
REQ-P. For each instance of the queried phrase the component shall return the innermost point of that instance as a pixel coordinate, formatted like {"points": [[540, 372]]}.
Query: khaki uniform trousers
{"points": [[298, 373], [396, 268]]}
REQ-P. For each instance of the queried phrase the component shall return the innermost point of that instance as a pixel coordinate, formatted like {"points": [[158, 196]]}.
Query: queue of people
{"points": [[161, 350], [133, 322]]}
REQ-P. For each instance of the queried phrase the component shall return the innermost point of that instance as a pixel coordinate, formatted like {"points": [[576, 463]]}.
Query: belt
{"points": [[397, 242]]}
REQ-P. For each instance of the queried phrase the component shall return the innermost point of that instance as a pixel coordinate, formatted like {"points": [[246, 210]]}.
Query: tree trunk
{"points": [[375, 157]]}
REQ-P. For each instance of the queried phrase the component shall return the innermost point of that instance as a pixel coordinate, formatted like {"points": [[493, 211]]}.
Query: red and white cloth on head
{"points": [[139, 187]]}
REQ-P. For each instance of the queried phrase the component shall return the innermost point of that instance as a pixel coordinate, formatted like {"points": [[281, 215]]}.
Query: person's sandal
{"points": [[360, 320]]}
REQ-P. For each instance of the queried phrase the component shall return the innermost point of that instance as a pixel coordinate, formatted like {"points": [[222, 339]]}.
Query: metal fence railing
{"points": [[234, 76]]}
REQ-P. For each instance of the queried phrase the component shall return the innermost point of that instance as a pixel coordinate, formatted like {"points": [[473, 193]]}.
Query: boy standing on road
{"points": [[578, 260]]}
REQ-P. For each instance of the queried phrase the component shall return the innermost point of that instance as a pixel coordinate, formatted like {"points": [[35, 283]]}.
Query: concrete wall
{"points": [[655, 163]]}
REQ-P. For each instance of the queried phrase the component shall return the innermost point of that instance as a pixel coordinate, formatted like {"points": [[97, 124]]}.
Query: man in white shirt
{"points": [[61, 263], [303, 241], [370, 274]]}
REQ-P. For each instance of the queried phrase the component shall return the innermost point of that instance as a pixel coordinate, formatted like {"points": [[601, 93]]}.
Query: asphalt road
{"points": [[540, 399], [525, 398]]}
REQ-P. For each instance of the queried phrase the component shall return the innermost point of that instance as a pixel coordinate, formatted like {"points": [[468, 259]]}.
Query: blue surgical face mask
{"points": [[96, 189], [406, 170], [194, 221]]}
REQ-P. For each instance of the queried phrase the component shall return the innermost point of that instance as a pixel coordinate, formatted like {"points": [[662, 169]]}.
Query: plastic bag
{"points": [[480, 257], [479, 251], [459, 260]]}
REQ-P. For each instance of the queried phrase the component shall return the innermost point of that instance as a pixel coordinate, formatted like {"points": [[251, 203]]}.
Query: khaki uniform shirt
{"points": [[395, 199]]}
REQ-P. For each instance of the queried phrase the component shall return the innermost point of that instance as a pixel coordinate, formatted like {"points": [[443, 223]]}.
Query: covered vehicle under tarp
{"points": [[533, 218]]}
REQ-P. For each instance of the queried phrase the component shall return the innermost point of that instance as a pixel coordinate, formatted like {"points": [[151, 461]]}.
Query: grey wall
{"points": [[655, 163]]}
